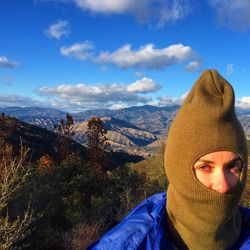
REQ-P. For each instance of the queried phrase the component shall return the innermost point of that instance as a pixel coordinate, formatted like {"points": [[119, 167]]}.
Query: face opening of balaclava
{"points": [[198, 217]]}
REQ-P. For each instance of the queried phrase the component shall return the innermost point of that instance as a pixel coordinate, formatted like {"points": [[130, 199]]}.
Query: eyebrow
{"points": [[212, 162]]}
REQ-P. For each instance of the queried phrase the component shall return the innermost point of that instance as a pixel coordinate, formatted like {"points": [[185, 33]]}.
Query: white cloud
{"points": [[172, 11], [193, 66], [243, 102], [78, 51], [146, 57], [145, 85], [108, 6], [169, 100], [6, 63], [230, 69], [233, 14], [82, 96], [160, 11], [9, 100], [119, 105], [58, 29]]}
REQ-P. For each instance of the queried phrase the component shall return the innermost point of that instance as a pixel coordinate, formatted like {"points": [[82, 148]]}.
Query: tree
{"points": [[65, 127], [65, 131], [97, 144], [45, 163], [14, 173]]}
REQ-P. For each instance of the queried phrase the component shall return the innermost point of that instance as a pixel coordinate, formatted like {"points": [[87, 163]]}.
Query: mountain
{"points": [[136, 130], [40, 140], [122, 136], [42, 117], [149, 118]]}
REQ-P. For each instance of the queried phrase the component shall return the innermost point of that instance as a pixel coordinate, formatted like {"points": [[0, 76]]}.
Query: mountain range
{"points": [[139, 130]]}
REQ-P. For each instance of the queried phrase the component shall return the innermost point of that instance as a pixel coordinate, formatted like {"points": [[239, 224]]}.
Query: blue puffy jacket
{"points": [[144, 228]]}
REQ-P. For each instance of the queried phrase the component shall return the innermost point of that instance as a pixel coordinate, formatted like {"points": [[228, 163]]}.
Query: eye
{"points": [[204, 168], [235, 167]]}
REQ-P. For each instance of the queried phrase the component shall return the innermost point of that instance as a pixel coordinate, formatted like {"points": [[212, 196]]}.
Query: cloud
{"points": [[230, 69], [9, 100], [172, 11], [233, 14], [58, 29], [145, 85], [146, 57], [159, 11], [118, 6], [6, 63], [243, 103], [78, 51], [82, 96], [168, 100], [193, 66]]}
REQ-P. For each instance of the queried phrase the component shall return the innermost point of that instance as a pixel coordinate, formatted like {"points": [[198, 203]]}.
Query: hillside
{"points": [[153, 167], [135, 130], [42, 141], [42, 117], [149, 118], [122, 136]]}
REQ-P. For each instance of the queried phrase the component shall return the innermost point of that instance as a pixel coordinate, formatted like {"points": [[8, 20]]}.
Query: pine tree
{"points": [[65, 131], [97, 144]]}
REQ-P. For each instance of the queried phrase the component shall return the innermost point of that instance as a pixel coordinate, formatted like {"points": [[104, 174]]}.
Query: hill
{"points": [[42, 117], [134, 130], [150, 118], [153, 167], [42, 141], [122, 136]]}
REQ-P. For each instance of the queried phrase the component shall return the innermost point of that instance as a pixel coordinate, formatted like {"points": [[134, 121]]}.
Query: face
{"points": [[219, 171]]}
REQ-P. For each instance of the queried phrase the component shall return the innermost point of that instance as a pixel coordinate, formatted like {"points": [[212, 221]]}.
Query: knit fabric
{"points": [[200, 218]]}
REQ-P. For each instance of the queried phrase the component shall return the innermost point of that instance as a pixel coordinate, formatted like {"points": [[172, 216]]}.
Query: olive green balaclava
{"points": [[198, 217]]}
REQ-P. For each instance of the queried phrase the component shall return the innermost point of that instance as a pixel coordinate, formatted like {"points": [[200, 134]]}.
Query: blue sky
{"points": [[89, 54]]}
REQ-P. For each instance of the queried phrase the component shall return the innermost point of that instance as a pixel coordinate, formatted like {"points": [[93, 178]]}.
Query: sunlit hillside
{"points": [[153, 168]]}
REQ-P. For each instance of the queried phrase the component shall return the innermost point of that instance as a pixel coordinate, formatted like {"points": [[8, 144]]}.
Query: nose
{"points": [[221, 183]]}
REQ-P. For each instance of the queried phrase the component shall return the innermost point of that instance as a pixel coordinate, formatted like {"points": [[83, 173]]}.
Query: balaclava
{"points": [[198, 217]]}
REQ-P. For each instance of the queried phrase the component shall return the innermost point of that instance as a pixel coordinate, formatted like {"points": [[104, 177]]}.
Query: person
{"points": [[206, 161]]}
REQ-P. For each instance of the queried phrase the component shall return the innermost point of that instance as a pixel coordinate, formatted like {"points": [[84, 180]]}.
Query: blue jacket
{"points": [[144, 228]]}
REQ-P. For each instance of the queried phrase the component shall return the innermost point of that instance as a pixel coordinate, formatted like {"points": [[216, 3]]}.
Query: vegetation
{"points": [[65, 131], [79, 197], [97, 144], [14, 226], [153, 168]]}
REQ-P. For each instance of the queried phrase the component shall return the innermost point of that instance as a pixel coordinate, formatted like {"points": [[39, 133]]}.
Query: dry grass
{"points": [[82, 236]]}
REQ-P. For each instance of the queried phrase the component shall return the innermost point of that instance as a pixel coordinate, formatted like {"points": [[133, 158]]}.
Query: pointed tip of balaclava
{"points": [[212, 91], [205, 123]]}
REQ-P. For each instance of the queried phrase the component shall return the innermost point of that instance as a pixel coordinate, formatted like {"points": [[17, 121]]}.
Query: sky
{"points": [[74, 55]]}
